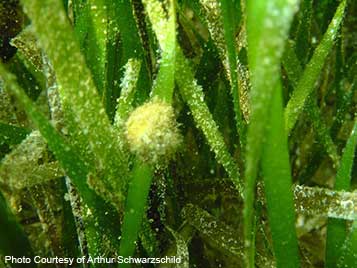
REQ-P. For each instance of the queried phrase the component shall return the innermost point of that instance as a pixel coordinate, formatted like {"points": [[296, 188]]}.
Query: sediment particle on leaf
{"points": [[152, 132]]}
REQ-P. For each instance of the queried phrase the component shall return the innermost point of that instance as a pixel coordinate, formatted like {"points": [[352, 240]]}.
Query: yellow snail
{"points": [[152, 132]]}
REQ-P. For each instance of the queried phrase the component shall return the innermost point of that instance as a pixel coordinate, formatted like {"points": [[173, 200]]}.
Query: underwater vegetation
{"points": [[222, 133]]}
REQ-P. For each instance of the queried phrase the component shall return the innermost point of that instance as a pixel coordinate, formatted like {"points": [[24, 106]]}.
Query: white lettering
{"points": [[20, 260]]}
